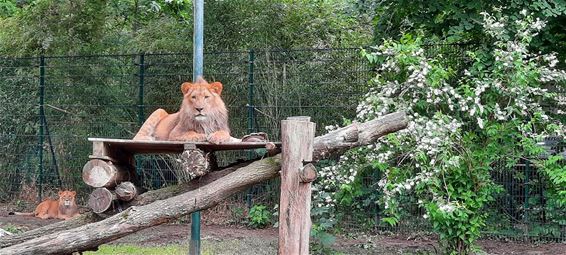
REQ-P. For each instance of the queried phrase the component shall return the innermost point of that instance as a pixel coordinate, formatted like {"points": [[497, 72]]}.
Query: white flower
{"points": [[480, 122], [447, 208], [524, 12]]}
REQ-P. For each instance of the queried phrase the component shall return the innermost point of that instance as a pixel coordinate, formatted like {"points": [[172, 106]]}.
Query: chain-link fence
{"points": [[50, 105]]}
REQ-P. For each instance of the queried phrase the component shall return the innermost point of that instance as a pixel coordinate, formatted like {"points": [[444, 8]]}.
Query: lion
{"points": [[64, 208], [202, 117]]}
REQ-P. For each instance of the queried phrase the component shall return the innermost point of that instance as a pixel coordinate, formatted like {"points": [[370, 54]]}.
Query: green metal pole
{"points": [[41, 123], [251, 120], [526, 205], [141, 74], [141, 112], [198, 59]]}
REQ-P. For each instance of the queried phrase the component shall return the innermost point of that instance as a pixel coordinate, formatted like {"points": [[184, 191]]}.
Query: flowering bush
{"points": [[462, 121]]}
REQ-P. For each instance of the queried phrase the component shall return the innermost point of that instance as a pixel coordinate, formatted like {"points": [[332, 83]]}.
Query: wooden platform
{"points": [[157, 147]]}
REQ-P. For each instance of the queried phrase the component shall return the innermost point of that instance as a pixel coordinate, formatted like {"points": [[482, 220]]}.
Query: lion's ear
{"points": [[185, 87], [73, 193], [60, 193], [216, 87]]}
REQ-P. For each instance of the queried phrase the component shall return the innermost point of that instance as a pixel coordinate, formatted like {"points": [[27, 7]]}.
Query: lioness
{"points": [[202, 117], [64, 208]]}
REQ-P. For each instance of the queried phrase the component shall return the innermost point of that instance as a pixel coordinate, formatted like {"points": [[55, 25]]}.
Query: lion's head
{"points": [[203, 107], [67, 198]]}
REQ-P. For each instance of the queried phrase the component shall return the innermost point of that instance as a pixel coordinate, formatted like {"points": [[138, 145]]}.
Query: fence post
{"points": [[251, 63], [251, 119], [141, 73], [41, 123], [526, 204]]}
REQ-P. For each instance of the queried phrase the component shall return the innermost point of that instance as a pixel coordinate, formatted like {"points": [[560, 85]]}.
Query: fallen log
{"points": [[89, 237], [135, 218], [143, 199]]}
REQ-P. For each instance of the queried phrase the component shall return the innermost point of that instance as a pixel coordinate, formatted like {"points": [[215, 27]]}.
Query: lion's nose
{"points": [[199, 109]]}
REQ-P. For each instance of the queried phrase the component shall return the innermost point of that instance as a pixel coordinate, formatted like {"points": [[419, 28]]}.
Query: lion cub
{"points": [[64, 208]]}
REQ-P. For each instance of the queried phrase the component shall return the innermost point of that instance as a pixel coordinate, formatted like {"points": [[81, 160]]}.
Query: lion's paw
{"points": [[190, 137], [218, 138]]}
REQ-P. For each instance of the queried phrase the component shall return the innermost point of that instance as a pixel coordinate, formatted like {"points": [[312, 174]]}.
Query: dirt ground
{"points": [[219, 239]]}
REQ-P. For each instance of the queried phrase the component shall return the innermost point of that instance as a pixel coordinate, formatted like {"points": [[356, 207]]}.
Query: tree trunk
{"points": [[140, 217]]}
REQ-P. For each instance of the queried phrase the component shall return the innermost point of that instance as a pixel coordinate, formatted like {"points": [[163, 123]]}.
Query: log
{"points": [[136, 218], [357, 134], [126, 191], [100, 200], [143, 199], [308, 173], [195, 162], [297, 136], [99, 173], [139, 217]]}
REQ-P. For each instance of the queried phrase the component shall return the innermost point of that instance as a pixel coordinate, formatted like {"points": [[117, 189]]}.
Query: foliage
{"points": [[460, 20], [109, 26], [259, 216], [322, 240], [556, 170], [463, 119]]}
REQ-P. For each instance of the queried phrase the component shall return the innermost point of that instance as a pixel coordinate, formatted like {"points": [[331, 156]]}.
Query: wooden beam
{"points": [[106, 145]]}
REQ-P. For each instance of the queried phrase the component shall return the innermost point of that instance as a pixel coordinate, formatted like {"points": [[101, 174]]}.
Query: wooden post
{"points": [[297, 137]]}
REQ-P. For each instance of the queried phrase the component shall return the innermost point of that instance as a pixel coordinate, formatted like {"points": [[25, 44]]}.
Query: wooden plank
{"points": [[155, 147], [297, 135]]}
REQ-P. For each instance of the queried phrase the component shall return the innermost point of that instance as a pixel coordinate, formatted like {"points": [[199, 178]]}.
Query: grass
{"points": [[208, 247], [135, 249]]}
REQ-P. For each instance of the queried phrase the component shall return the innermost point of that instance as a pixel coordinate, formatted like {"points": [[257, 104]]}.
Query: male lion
{"points": [[202, 117], [64, 208]]}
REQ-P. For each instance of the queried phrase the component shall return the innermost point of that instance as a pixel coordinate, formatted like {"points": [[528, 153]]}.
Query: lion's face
{"points": [[67, 197], [201, 100]]}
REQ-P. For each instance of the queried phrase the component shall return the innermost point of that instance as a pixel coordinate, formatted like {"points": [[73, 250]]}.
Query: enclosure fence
{"points": [[50, 105]]}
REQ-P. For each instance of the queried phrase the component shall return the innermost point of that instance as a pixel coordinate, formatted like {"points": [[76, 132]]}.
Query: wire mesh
{"points": [[51, 104]]}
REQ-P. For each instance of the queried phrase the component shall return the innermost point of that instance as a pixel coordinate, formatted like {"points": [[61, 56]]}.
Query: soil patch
{"points": [[234, 239]]}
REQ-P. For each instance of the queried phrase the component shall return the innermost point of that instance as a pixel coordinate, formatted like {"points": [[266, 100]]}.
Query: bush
{"points": [[259, 216], [464, 118]]}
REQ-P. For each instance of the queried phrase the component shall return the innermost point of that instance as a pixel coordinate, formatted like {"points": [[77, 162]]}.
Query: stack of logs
{"points": [[112, 182]]}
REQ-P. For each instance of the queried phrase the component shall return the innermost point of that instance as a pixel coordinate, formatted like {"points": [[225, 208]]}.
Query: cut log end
{"points": [[126, 191], [99, 173], [195, 163], [100, 200], [308, 173]]}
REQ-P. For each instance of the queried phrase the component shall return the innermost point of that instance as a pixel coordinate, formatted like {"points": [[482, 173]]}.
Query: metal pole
{"points": [[41, 122], [141, 112], [141, 73], [251, 120], [198, 55], [526, 205]]}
